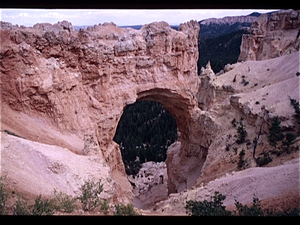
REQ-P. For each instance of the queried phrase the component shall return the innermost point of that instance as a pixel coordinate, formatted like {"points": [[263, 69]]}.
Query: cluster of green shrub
{"points": [[215, 207], [61, 202], [144, 133], [275, 136]]}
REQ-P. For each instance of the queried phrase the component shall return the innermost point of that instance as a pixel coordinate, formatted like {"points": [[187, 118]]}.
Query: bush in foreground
{"points": [[125, 210], [215, 208], [208, 208], [89, 194]]}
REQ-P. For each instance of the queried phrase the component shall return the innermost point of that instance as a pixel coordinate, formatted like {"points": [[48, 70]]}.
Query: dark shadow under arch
{"points": [[144, 133]]}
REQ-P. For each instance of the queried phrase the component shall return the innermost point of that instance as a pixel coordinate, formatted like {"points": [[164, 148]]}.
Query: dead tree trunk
{"points": [[256, 141]]}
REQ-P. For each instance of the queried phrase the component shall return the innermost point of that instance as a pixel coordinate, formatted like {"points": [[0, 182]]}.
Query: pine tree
{"points": [[242, 133], [275, 133], [241, 161]]}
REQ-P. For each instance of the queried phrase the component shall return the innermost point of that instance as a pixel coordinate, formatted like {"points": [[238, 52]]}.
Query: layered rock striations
{"points": [[272, 36], [79, 82]]}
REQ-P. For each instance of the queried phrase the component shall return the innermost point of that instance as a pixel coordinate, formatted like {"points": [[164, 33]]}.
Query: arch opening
{"points": [[144, 133]]}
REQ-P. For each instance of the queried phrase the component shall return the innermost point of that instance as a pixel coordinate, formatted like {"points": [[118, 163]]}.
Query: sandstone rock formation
{"points": [[51, 167], [257, 91], [272, 36], [73, 86], [261, 91], [67, 89]]}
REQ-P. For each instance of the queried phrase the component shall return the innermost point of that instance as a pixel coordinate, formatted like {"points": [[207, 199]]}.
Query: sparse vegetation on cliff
{"points": [[214, 207], [241, 161], [275, 133], [3, 197], [295, 105], [261, 161], [242, 133]]}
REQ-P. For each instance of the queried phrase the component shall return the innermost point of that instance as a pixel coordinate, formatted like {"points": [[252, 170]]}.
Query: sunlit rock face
{"points": [[81, 81]]}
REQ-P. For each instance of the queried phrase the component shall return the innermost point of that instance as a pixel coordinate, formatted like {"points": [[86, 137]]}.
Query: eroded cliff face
{"points": [[257, 90], [80, 82], [272, 36]]}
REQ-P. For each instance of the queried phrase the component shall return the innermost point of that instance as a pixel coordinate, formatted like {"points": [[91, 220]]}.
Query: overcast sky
{"points": [[29, 17]]}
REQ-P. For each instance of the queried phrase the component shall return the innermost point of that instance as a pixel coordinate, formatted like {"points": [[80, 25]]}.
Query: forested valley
{"points": [[144, 133], [219, 50]]}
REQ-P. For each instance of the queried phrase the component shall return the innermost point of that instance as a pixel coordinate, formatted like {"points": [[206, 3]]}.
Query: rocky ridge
{"points": [[272, 36], [229, 20]]}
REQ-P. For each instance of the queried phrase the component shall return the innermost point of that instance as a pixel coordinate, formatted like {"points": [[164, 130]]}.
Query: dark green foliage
{"points": [[3, 197], [219, 50], [63, 202], [287, 212], [40, 208], [275, 133], [289, 140], [43, 207], [124, 210], [89, 194], [21, 207], [132, 167], [290, 137], [235, 149], [242, 133], [59, 202], [245, 82], [104, 206], [215, 208], [260, 161], [241, 161], [145, 130], [213, 30], [254, 210], [208, 208], [233, 122], [295, 105]]}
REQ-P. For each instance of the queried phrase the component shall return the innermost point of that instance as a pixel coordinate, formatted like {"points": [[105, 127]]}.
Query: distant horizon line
{"points": [[132, 25]]}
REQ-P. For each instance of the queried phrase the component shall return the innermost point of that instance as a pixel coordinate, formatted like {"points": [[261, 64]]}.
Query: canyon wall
{"points": [[272, 36], [79, 82]]}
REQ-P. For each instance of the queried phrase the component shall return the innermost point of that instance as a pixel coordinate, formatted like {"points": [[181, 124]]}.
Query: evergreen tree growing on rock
{"points": [[242, 133], [275, 133]]}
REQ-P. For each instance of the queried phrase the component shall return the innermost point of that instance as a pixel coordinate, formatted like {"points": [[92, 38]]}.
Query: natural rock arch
{"points": [[82, 81]]}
